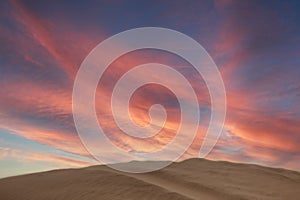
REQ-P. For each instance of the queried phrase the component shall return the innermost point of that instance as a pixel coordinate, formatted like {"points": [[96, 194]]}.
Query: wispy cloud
{"points": [[258, 59]]}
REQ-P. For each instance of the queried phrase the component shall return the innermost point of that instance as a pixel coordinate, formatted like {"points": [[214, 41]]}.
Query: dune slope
{"points": [[190, 179]]}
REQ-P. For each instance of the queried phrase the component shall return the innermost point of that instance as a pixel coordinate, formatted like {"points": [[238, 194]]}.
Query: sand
{"points": [[190, 179]]}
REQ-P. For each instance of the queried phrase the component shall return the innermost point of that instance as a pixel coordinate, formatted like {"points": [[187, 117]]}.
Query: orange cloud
{"points": [[43, 112]]}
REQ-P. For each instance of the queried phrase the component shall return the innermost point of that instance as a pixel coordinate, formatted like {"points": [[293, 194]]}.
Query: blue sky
{"points": [[255, 45]]}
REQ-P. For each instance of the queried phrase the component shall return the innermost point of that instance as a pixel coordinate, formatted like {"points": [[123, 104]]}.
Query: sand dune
{"points": [[190, 179]]}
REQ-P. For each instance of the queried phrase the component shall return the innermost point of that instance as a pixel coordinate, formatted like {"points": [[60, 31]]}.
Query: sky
{"points": [[255, 44]]}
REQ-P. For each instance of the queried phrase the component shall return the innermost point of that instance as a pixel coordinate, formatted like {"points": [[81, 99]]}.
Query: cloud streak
{"points": [[258, 60]]}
